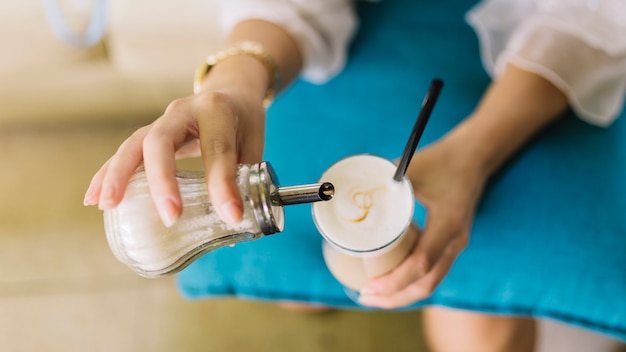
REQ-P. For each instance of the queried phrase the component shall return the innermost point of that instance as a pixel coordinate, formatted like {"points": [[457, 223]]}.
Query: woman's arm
{"points": [[225, 121], [248, 73], [448, 178], [568, 54], [512, 110]]}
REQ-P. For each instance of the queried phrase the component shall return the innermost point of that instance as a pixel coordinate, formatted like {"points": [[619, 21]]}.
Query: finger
{"points": [[120, 168], [159, 149], [420, 289], [442, 226], [218, 142], [428, 249], [92, 195], [251, 151], [190, 149]]}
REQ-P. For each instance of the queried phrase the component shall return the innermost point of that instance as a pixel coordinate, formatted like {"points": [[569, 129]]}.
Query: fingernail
{"points": [[370, 291], [232, 212], [88, 200], [167, 211], [368, 300], [106, 197]]}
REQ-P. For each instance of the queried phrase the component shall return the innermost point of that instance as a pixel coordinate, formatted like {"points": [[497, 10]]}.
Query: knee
{"points": [[452, 330]]}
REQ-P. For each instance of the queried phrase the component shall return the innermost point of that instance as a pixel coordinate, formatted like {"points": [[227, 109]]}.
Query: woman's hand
{"points": [[448, 184], [224, 122], [448, 179], [225, 126]]}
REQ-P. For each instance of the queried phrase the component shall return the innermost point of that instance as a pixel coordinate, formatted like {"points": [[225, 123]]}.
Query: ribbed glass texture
{"points": [[138, 238]]}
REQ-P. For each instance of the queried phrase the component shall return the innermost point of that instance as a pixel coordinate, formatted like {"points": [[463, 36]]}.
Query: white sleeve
{"points": [[578, 45], [322, 28]]}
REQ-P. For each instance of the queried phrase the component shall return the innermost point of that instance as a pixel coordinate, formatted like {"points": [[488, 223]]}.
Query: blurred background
{"points": [[63, 112]]}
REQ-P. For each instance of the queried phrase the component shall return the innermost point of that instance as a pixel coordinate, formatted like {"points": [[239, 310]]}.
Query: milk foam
{"points": [[369, 209]]}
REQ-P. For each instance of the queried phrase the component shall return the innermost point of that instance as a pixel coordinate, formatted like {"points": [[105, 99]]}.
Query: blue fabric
{"points": [[549, 238]]}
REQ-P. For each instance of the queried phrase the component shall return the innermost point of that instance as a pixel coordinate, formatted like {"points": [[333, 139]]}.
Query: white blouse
{"points": [[578, 45], [323, 28]]}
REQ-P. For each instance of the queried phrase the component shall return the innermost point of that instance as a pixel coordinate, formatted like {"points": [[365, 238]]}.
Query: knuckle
{"points": [[422, 264], [456, 219], [422, 290], [216, 111], [152, 139], [458, 245], [176, 104], [138, 133], [136, 137], [212, 100], [219, 146]]}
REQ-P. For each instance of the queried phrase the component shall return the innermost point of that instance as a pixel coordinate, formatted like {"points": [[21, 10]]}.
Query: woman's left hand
{"points": [[448, 182]]}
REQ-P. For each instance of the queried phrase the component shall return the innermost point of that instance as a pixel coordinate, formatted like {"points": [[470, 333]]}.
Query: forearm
{"points": [[514, 108], [247, 73]]}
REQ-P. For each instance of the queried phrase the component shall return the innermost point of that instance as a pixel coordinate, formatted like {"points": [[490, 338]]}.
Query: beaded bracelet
{"points": [[253, 49]]}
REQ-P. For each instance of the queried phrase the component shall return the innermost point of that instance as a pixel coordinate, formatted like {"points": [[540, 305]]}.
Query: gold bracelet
{"points": [[253, 49]]}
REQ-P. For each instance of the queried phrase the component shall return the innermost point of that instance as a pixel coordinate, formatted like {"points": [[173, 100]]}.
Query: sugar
{"points": [[139, 238]]}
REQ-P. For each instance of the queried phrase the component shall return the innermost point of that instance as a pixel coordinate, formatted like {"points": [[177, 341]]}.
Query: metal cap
{"points": [[263, 183], [268, 198]]}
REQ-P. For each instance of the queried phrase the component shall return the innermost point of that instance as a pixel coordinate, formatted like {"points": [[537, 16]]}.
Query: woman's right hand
{"points": [[224, 123], [224, 126]]}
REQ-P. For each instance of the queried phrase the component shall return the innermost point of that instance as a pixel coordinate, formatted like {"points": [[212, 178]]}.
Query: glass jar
{"points": [[139, 239]]}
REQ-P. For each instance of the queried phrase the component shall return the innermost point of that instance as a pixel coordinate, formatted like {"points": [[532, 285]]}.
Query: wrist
{"points": [[235, 66], [470, 151], [241, 74], [512, 111], [475, 145]]}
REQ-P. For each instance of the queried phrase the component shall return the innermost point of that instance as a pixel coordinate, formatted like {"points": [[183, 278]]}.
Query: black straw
{"points": [[427, 107]]}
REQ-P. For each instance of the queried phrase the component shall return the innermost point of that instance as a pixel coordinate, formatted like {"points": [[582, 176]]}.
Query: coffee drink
{"points": [[366, 226]]}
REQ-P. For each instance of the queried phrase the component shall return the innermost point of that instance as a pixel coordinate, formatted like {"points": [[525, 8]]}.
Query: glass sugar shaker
{"points": [[138, 238]]}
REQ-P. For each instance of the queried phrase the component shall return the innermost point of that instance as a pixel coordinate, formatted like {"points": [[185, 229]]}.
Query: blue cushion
{"points": [[549, 238]]}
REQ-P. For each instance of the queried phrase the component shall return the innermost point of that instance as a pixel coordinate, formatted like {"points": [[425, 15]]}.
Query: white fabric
{"points": [[578, 45], [322, 28]]}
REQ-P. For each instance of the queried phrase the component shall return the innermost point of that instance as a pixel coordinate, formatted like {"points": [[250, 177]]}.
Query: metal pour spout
{"points": [[303, 194]]}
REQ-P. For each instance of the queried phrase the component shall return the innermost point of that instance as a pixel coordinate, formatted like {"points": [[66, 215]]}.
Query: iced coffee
{"points": [[366, 226]]}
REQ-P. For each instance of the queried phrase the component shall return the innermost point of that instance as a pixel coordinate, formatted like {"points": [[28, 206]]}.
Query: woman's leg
{"points": [[453, 330], [304, 307]]}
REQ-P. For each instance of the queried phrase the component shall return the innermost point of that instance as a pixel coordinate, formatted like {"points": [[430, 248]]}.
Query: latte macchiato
{"points": [[366, 224]]}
